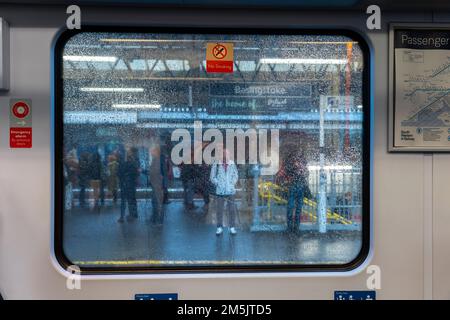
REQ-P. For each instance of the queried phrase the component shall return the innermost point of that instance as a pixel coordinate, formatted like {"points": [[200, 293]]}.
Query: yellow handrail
{"points": [[268, 190]]}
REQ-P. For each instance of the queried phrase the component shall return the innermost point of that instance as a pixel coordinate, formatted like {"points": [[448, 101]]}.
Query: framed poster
{"points": [[419, 89]]}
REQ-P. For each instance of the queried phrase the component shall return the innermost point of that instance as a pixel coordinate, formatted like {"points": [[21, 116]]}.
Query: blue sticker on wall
{"points": [[156, 296], [355, 295]]}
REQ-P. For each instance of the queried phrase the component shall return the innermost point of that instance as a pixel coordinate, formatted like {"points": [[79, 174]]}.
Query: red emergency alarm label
{"points": [[20, 137], [20, 124]]}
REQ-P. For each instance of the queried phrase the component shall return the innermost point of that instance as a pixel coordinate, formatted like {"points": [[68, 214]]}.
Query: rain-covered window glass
{"points": [[188, 151]]}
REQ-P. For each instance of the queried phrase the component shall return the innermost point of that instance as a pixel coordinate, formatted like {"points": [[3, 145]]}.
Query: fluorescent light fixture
{"points": [[177, 78], [333, 167], [100, 89], [301, 61], [324, 42], [100, 117], [90, 58], [137, 106], [167, 40], [150, 40]]}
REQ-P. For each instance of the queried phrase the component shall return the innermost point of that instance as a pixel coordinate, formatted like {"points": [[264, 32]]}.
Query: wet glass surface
{"points": [[198, 149]]}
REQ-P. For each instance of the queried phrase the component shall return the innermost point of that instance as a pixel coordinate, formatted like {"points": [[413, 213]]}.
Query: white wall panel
{"points": [[25, 217]]}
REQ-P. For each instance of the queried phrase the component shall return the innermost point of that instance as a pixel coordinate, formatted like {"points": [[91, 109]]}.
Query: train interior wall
{"points": [[411, 204]]}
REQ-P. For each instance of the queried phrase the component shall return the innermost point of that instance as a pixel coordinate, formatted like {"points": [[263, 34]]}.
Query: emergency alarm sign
{"points": [[20, 126], [219, 57]]}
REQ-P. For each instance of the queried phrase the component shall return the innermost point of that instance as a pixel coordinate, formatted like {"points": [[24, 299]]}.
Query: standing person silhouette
{"points": [[156, 181], [296, 180], [224, 176], [128, 175]]}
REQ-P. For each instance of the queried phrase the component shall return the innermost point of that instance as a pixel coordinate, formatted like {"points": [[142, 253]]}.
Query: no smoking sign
{"points": [[219, 51], [219, 57], [20, 125]]}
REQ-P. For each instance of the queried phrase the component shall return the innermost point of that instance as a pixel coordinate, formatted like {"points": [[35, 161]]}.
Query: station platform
{"points": [[94, 237]]}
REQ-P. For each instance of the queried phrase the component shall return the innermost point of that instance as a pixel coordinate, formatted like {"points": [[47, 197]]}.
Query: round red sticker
{"points": [[20, 109]]}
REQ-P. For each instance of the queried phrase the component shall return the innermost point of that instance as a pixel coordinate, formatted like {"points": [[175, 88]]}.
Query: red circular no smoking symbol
{"points": [[219, 51], [20, 109]]}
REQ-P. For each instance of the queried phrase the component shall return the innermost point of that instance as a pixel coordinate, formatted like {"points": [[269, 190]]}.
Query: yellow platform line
{"points": [[179, 262]]}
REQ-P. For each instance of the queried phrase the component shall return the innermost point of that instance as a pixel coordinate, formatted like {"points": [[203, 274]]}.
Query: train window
{"points": [[209, 150]]}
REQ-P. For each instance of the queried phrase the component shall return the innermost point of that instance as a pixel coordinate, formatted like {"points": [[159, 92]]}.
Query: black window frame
{"points": [[58, 134]]}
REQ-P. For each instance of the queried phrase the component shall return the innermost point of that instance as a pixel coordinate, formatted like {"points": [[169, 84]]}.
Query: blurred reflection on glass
{"points": [[168, 165]]}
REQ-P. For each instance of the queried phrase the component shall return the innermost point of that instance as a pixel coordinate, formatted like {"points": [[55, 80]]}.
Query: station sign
{"points": [[20, 123], [219, 57], [259, 98]]}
